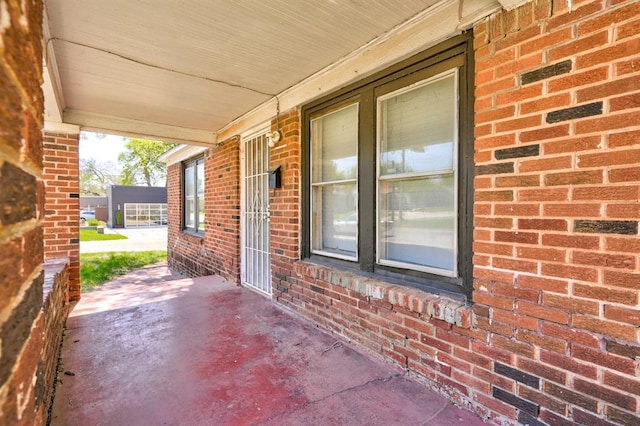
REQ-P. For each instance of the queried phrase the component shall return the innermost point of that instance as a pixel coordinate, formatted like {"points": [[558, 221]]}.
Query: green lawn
{"points": [[98, 268], [92, 235]]}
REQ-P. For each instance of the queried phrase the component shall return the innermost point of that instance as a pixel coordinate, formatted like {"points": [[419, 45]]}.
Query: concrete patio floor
{"points": [[147, 349]]}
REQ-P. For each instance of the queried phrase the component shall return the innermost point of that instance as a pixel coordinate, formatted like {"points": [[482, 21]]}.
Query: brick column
{"points": [[285, 206], [62, 200], [21, 210], [222, 208]]}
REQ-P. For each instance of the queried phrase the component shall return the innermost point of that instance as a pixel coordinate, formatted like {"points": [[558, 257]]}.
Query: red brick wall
{"points": [[56, 308], [222, 201], [62, 203], [557, 262], [185, 252], [552, 336], [218, 251], [21, 211], [284, 202], [174, 207]]}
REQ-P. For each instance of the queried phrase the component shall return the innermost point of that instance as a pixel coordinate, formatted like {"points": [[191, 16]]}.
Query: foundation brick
{"points": [[616, 398], [517, 402], [573, 398], [621, 417], [613, 362]]}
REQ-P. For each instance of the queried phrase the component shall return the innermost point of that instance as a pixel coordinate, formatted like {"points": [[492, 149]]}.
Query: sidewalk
{"points": [[138, 239], [146, 350]]}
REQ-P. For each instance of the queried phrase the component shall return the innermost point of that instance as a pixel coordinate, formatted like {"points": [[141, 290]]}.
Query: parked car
{"points": [[84, 216]]}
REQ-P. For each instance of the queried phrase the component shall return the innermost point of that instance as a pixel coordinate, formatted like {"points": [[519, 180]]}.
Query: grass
{"points": [[98, 268], [92, 235]]}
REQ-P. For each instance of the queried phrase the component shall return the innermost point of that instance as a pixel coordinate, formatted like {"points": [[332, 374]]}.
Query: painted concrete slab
{"points": [[147, 349]]}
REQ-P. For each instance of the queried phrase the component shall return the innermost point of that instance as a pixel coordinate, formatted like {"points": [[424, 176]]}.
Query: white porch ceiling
{"points": [[182, 70]]}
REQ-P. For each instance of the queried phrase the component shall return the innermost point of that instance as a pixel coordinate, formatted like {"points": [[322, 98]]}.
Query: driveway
{"points": [[147, 349], [138, 239]]}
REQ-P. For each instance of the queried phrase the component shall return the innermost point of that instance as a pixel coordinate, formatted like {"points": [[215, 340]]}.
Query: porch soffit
{"points": [[183, 71]]}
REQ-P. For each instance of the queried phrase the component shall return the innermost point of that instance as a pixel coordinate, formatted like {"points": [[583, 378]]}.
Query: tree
{"points": [[97, 176], [140, 164], [84, 136]]}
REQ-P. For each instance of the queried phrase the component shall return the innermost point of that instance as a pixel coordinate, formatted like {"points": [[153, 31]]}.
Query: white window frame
{"points": [[196, 229], [405, 176], [331, 183]]}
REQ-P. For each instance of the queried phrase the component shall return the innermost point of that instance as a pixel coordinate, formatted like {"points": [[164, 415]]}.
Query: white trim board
{"points": [[437, 23]]}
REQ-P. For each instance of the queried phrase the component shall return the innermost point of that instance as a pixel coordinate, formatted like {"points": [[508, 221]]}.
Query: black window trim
{"points": [[185, 165], [456, 52]]}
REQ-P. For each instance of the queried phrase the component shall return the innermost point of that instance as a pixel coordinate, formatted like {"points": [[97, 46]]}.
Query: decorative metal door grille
{"points": [[256, 268]]}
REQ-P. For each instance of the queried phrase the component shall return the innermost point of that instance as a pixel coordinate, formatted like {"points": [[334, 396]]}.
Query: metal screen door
{"points": [[256, 266]]}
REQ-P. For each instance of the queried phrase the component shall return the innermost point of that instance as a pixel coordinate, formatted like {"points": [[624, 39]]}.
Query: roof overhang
{"points": [[202, 71], [180, 153]]}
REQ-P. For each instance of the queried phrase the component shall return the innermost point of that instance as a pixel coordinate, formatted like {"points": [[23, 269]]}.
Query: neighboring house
{"points": [[458, 192], [135, 206], [95, 204], [90, 202], [138, 206]]}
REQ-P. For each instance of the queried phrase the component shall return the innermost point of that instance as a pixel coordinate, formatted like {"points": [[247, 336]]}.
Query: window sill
{"points": [[410, 299], [193, 233]]}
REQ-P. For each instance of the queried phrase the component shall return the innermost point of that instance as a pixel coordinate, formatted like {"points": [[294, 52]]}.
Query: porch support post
{"points": [[61, 178]]}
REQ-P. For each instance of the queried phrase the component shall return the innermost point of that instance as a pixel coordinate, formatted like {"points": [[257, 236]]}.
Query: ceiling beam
{"points": [[436, 23], [53, 98], [138, 129], [59, 127], [180, 153]]}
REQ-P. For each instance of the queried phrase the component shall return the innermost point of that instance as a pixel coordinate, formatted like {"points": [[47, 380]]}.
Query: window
{"points": [[417, 141], [334, 146], [388, 164], [194, 195]]}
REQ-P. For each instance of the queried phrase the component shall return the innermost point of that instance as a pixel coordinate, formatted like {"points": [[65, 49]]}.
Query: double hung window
{"points": [[388, 167], [334, 180], [416, 183], [193, 201]]}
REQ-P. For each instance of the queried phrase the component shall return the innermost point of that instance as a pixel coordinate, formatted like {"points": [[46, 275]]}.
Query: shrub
{"points": [[93, 222]]}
